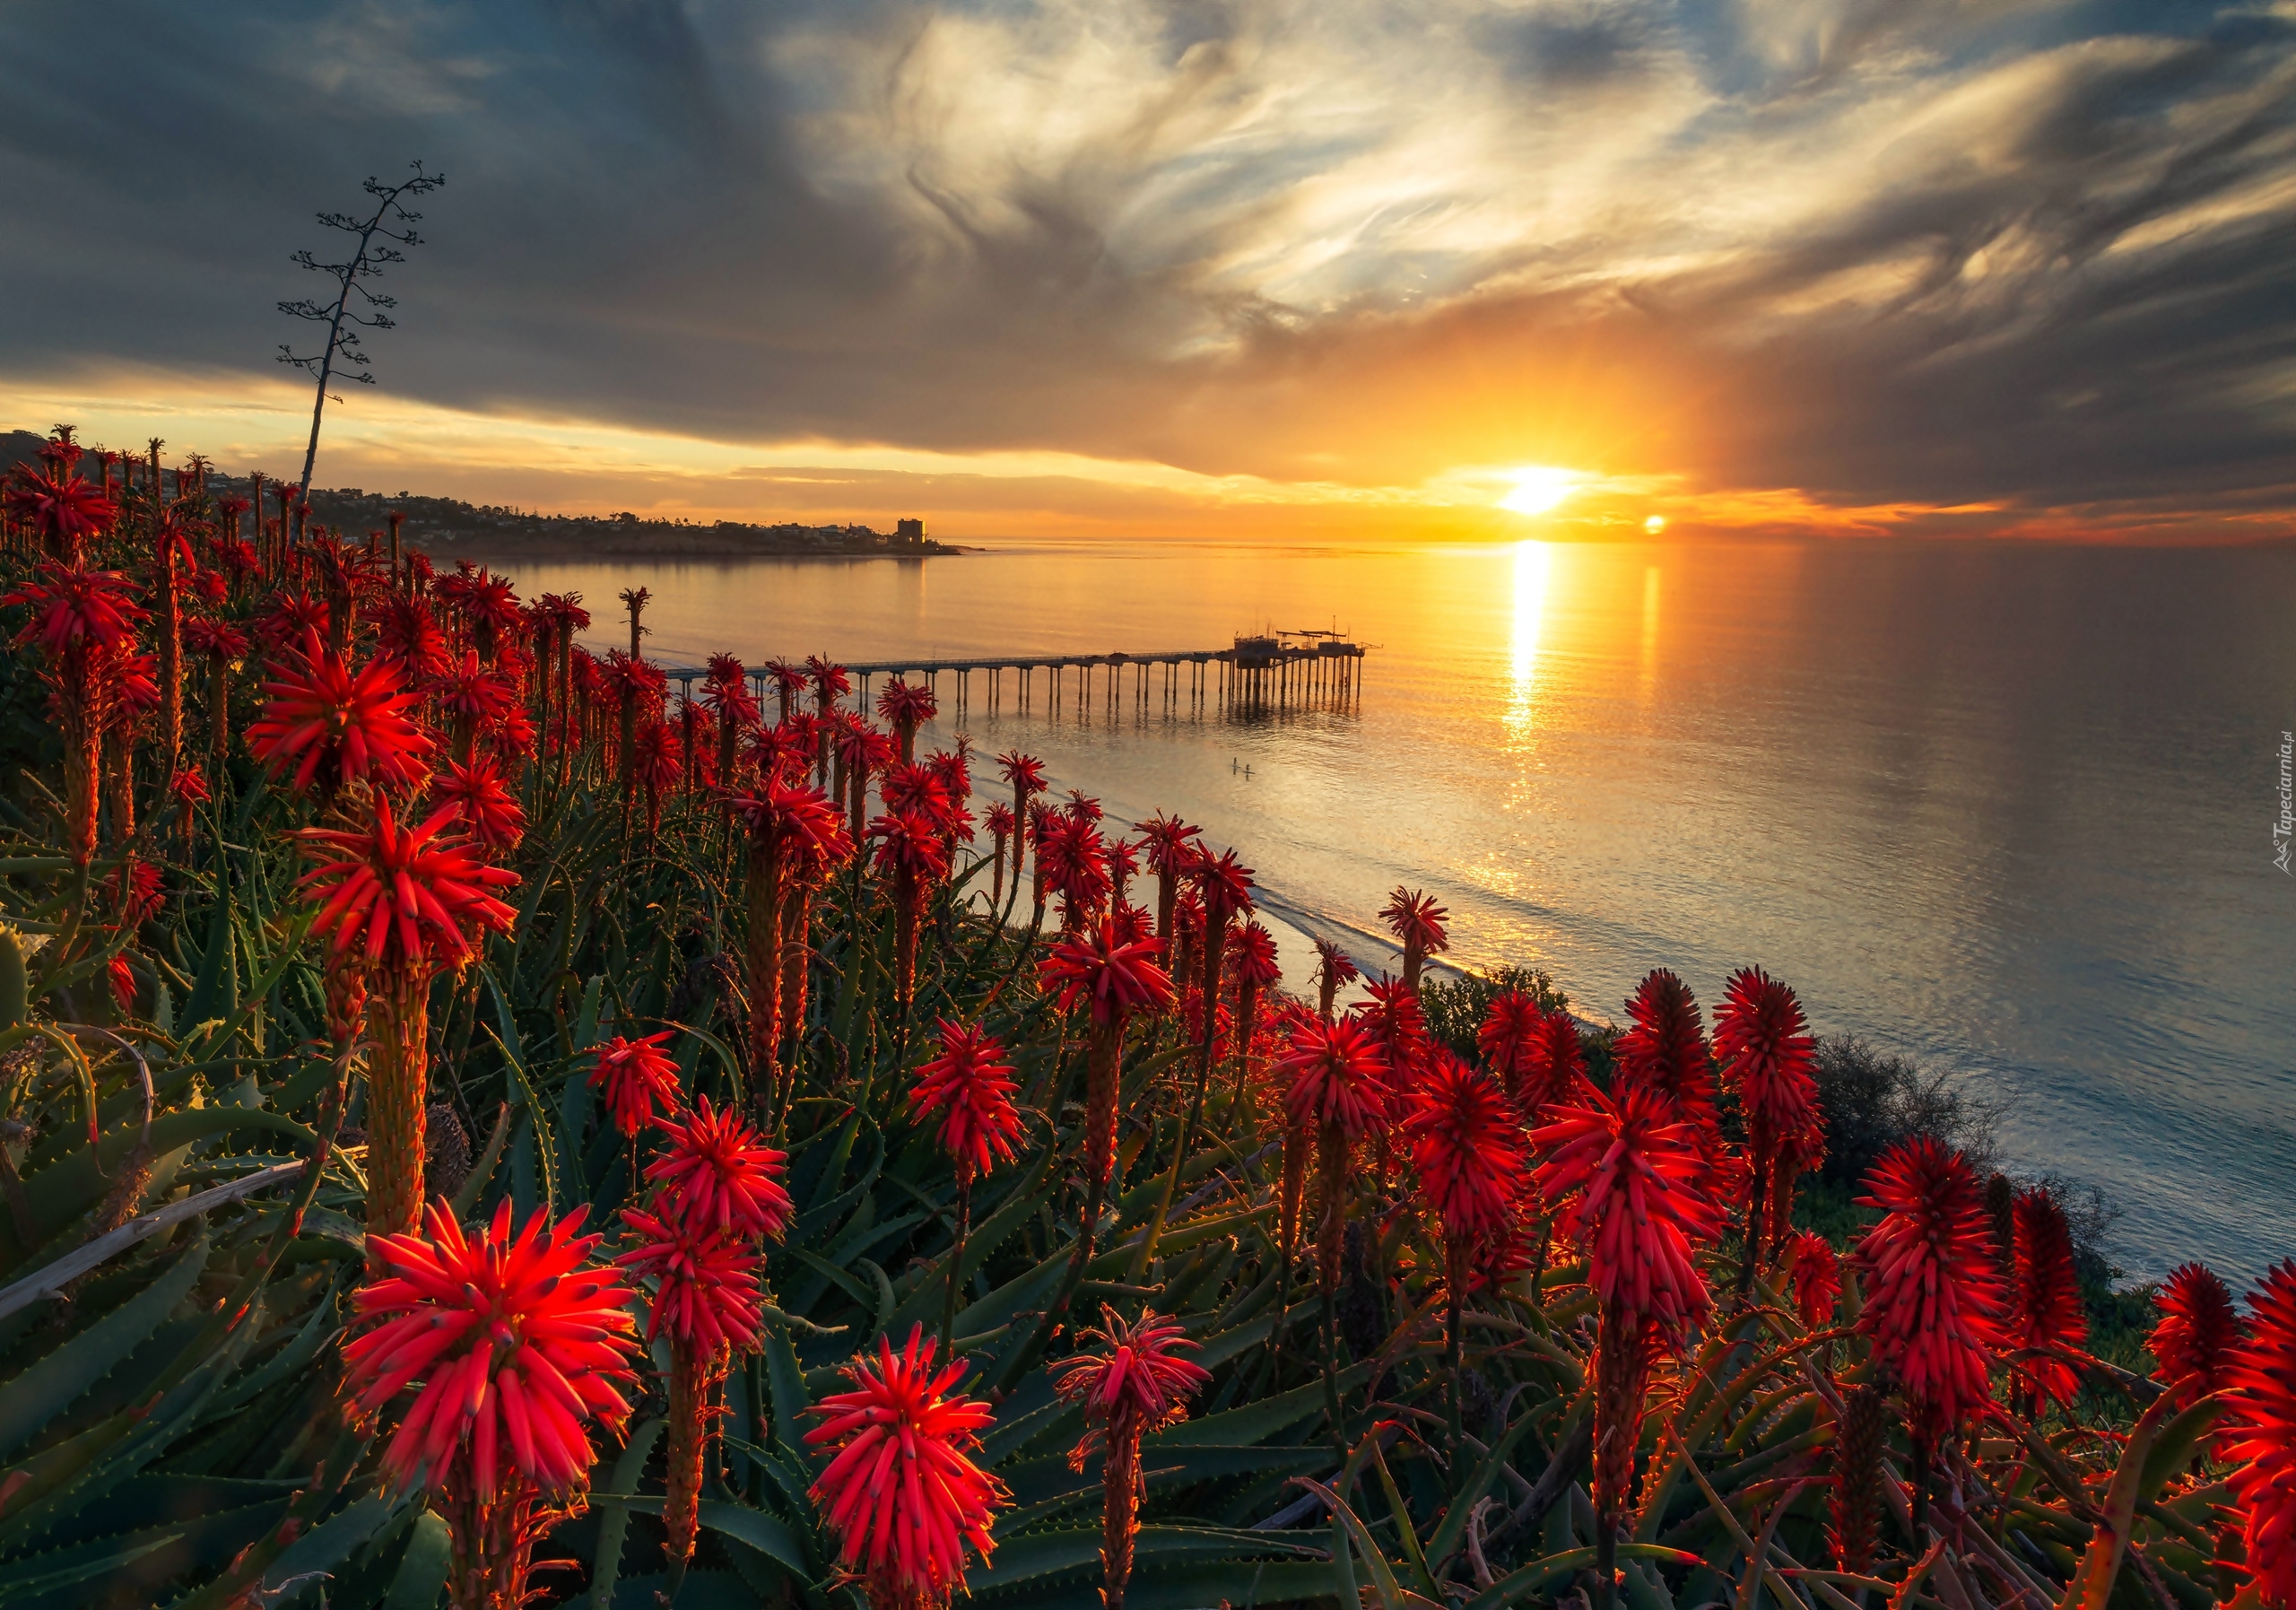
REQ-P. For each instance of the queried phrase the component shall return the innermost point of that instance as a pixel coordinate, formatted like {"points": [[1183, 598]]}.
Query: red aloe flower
{"points": [[637, 1075], [516, 1349], [331, 726], [1933, 1302], [1338, 1077], [1336, 1089], [1251, 951], [1334, 967], [918, 789], [401, 903], [967, 1092], [789, 682], [718, 1174], [1558, 1064], [1000, 823], [287, 616], [120, 973], [137, 895], [784, 753], [519, 1346], [1769, 1060], [708, 1300], [2259, 1433], [1070, 860], [221, 646], [1116, 975], [861, 751], [638, 685], [2198, 1329], [795, 837], [807, 860], [953, 767], [705, 1302], [1139, 1383], [1417, 922], [472, 694], [902, 1493], [1133, 923], [1025, 774], [1170, 855], [1640, 1206], [1816, 1275], [1467, 1147], [1664, 1050], [1391, 1015], [830, 682], [484, 804], [189, 787], [83, 622], [403, 899], [485, 600], [660, 761], [1643, 1203], [727, 691], [409, 634], [1510, 1028], [2047, 1312], [1225, 885], [62, 508], [905, 706], [1120, 857], [912, 851]]}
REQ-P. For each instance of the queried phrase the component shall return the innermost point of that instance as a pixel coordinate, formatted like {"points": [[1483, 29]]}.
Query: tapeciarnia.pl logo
{"points": [[2284, 828]]}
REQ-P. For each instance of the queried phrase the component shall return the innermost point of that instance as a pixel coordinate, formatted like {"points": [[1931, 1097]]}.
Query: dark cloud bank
{"points": [[2065, 285]]}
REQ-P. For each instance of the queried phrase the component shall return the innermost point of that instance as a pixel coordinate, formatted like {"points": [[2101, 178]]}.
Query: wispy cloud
{"points": [[1988, 265]]}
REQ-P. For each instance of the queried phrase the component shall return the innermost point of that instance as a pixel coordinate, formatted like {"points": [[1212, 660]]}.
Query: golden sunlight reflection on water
{"points": [[1534, 562], [1992, 808]]}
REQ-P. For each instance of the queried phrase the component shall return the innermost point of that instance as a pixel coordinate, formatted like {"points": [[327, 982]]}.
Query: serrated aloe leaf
{"points": [[1035, 1554], [18, 1588], [322, 1550], [49, 1388], [1254, 1422], [613, 1525], [421, 1574]]}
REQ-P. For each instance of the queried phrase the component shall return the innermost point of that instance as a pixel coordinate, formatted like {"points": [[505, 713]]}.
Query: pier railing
{"points": [[1256, 674]]}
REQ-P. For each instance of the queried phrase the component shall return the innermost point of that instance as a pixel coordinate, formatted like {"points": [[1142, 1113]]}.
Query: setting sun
{"points": [[1538, 488]]}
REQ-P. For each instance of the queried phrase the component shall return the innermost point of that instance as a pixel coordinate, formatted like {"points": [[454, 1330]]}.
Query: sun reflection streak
{"points": [[1651, 588], [1533, 561]]}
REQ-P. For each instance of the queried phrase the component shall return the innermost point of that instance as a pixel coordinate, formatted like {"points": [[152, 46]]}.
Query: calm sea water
{"points": [[2005, 810]]}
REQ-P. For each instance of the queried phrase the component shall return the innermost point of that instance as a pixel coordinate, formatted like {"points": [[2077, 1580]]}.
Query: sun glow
{"points": [[1539, 488]]}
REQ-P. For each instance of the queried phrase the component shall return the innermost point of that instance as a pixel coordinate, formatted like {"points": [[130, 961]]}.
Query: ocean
{"points": [[2006, 810]]}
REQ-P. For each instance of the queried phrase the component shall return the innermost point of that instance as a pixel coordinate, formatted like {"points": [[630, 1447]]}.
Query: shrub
{"points": [[1872, 1100]]}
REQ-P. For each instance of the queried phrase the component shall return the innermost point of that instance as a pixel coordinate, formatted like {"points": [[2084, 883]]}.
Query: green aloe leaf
{"points": [[49, 1388], [613, 1525], [422, 1575]]}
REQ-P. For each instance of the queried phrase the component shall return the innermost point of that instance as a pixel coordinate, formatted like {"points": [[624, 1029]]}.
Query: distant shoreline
{"points": [[449, 528], [492, 547]]}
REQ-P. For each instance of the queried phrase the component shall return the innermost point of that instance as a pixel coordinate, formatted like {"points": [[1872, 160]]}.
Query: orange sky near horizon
{"points": [[1587, 484]]}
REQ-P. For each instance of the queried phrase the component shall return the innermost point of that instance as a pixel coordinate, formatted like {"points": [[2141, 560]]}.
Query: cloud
{"points": [[1776, 255]]}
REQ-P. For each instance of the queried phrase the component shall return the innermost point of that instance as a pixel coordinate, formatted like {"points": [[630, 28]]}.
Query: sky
{"points": [[1851, 267]]}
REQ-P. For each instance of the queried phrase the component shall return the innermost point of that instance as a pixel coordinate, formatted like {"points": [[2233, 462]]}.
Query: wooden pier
{"points": [[1281, 671]]}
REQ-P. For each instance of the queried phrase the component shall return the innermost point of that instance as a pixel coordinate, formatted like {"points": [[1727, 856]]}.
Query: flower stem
{"points": [[956, 1268]]}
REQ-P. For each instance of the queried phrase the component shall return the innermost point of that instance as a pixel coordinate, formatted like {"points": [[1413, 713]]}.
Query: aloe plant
{"points": [[192, 1151]]}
